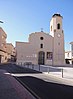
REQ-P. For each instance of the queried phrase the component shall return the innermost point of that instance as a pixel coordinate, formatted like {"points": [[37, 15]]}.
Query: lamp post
{"points": [[1, 22]]}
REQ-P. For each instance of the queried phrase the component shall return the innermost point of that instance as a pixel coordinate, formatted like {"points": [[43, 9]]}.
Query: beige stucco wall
{"points": [[10, 51], [58, 42], [28, 52], [3, 53], [59, 54], [3, 57], [3, 37]]}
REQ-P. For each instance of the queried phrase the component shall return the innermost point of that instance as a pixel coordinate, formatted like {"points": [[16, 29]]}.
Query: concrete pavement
{"points": [[54, 75], [10, 88], [44, 85], [49, 78]]}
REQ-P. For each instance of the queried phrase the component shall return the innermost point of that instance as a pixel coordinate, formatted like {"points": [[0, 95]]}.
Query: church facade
{"points": [[44, 48]]}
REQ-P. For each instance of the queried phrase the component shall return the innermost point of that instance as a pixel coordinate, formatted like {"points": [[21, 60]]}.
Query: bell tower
{"points": [[56, 31]]}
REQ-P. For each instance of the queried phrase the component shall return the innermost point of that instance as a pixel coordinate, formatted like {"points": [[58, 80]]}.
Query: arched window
{"points": [[41, 45], [51, 28], [58, 26]]}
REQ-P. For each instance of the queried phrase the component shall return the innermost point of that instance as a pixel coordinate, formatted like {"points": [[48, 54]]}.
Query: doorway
{"points": [[41, 58]]}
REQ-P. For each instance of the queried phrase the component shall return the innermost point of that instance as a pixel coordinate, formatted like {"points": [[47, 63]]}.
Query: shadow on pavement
{"points": [[48, 90], [12, 68]]}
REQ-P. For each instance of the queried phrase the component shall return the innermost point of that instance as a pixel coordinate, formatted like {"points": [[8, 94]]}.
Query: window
{"points": [[49, 55], [58, 26], [41, 38], [41, 45], [51, 28], [59, 43]]}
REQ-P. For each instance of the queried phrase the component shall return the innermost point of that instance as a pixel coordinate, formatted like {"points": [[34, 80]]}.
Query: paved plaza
{"points": [[44, 85], [10, 88]]}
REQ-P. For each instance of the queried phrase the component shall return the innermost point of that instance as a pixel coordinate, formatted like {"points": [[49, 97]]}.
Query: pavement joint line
{"points": [[33, 93], [24, 85]]}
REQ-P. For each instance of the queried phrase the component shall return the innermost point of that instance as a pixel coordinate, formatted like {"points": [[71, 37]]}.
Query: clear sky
{"points": [[22, 17]]}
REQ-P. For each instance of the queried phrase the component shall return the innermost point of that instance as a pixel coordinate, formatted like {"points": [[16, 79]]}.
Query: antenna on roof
{"points": [[41, 29]]}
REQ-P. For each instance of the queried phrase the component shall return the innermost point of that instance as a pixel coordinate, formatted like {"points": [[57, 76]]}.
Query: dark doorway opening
{"points": [[41, 58]]}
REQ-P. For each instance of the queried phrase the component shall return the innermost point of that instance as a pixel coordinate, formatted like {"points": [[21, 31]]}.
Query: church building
{"points": [[44, 48]]}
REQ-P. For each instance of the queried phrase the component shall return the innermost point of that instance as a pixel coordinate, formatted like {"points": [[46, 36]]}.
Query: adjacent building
{"points": [[68, 57], [72, 51], [11, 53], [44, 48], [3, 54], [7, 50]]}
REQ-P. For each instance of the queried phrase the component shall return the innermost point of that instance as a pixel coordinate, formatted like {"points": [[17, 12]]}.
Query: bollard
{"points": [[62, 73], [48, 70], [33, 66], [28, 65], [21, 63]]}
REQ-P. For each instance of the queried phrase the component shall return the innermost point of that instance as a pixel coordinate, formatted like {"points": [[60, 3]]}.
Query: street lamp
{"points": [[1, 22]]}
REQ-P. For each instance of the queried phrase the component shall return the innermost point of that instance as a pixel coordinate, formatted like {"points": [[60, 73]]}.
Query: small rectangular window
{"points": [[41, 45], [59, 43], [49, 55], [54, 30]]}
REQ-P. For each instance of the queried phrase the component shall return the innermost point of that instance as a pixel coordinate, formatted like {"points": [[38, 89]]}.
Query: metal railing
{"points": [[61, 71], [44, 69]]}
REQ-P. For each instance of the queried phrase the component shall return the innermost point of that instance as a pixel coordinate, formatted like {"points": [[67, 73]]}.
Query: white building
{"points": [[72, 51], [68, 57], [44, 48]]}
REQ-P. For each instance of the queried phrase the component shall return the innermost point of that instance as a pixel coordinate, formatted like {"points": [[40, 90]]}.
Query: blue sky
{"points": [[22, 17]]}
